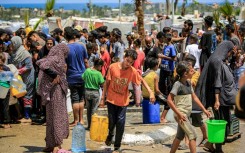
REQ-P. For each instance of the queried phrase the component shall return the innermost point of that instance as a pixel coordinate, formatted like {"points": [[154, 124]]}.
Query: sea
{"points": [[71, 6], [65, 6]]}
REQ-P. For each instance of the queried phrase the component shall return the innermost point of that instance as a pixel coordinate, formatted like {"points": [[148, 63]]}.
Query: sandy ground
{"points": [[30, 138]]}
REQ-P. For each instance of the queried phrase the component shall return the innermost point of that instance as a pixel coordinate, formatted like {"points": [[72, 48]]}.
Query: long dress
{"points": [[57, 123], [54, 95]]}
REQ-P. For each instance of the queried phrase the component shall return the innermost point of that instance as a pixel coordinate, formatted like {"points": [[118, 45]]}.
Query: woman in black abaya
{"points": [[216, 87]]}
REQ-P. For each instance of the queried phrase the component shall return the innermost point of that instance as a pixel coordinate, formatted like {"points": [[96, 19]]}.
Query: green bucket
{"points": [[216, 130]]}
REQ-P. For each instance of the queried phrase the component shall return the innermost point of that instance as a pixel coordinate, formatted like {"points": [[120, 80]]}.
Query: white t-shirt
{"points": [[193, 49]]}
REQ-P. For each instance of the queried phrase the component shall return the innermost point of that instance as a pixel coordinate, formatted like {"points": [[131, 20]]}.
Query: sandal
{"points": [[204, 141], [209, 147]]}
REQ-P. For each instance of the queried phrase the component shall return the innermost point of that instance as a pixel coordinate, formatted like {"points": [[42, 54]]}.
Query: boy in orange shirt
{"points": [[119, 76]]}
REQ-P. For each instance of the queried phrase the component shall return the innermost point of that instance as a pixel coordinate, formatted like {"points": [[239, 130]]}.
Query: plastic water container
{"points": [[78, 139], [6, 76], [18, 88], [4, 88], [99, 128], [151, 112], [216, 130]]}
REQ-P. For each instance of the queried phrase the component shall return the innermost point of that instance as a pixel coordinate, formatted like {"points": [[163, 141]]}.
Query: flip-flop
{"points": [[208, 147], [203, 143]]}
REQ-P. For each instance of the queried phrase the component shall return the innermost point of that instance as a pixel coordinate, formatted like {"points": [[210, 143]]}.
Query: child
{"points": [[91, 55], [180, 101], [197, 118], [151, 78], [4, 103], [119, 76], [193, 49], [168, 57], [105, 56], [93, 80]]}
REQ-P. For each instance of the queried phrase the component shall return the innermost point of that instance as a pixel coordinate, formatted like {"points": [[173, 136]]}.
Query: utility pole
{"points": [[120, 10], [90, 8], [172, 12]]}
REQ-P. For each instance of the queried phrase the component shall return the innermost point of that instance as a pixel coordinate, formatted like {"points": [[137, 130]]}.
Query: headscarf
{"points": [[213, 75], [55, 61], [44, 51], [19, 51]]}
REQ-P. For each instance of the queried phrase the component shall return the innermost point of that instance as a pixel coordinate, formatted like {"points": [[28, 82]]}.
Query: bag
{"points": [[18, 88], [170, 116]]}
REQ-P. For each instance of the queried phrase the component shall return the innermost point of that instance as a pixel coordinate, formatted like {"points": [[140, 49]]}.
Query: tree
{"points": [[127, 9], [49, 6], [227, 11], [168, 7], [183, 7], [139, 12], [175, 6]]}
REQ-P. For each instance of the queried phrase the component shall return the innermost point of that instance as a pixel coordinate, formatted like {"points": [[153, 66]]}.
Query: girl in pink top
{"points": [[139, 62], [104, 55]]}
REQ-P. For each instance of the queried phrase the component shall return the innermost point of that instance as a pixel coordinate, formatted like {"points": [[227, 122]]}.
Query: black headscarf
{"points": [[217, 75], [44, 51]]}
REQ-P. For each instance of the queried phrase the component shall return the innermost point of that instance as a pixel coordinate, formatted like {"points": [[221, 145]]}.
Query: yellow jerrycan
{"points": [[99, 128], [18, 88]]}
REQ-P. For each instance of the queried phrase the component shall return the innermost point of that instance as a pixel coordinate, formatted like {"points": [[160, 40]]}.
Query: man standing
{"points": [[77, 62], [188, 26], [58, 35], [230, 30], [208, 41]]}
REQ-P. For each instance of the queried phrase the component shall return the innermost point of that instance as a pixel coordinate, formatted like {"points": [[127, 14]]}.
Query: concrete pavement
{"points": [[137, 133]]}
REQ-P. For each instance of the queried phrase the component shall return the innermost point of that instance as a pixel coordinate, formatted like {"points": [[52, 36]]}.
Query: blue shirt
{"points": [[170, 52], [75, 63], [118, 50], [108, 45]]}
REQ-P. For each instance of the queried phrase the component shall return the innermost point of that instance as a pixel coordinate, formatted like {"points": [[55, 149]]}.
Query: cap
{"points": [[78, 27], [57, 30], [118, 33]]}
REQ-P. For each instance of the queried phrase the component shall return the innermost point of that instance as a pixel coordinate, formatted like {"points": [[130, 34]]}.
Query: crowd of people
{"points": [[174, 68]]}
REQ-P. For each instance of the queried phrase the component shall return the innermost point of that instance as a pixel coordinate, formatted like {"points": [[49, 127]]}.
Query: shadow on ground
{"points": [[6, 136], [32, 149]]}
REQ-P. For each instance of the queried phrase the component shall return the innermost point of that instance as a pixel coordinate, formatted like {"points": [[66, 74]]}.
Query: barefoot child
{"points": [[152, 79], [180, 101]]}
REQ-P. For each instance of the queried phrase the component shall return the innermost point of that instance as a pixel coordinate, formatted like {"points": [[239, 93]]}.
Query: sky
{"points": [[86, 1]]}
